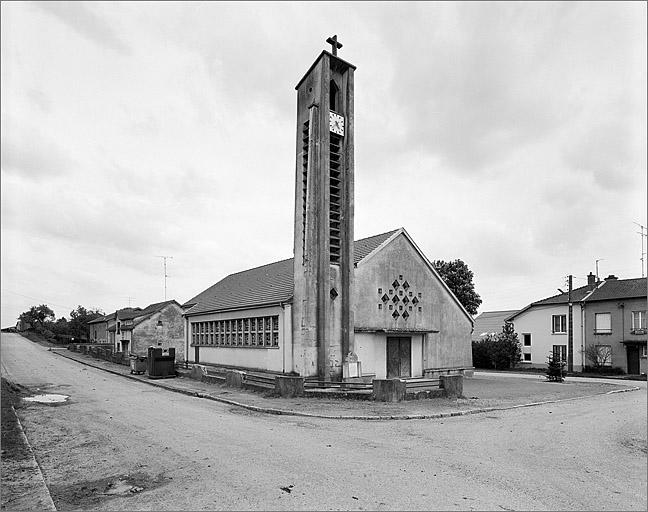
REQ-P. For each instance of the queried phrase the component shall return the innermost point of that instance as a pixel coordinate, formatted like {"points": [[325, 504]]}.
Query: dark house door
{"points": [[196, 354], [633, 359], [399, 357]]}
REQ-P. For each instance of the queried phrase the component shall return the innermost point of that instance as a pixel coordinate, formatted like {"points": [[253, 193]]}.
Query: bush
{"points": [[46, 333], [498, 351], [555, 369], [604, 370], [480, 353]]}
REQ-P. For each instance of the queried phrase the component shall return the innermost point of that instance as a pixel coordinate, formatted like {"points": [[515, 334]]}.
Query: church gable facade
{"points": [[407, 322]]}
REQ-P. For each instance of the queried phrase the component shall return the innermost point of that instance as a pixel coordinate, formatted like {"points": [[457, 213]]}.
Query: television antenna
{"points": [[165, 258]]}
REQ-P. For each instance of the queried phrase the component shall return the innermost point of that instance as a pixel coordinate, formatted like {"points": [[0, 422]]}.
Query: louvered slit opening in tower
{"points": [[335, 194], [304, 185]]}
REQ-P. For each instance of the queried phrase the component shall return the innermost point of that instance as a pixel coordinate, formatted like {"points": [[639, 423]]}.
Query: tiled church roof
{"points": [[268, 284]]}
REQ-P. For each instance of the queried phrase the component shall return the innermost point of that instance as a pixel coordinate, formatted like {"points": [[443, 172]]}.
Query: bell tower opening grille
{"points": [[335, 191], [304, 185]]}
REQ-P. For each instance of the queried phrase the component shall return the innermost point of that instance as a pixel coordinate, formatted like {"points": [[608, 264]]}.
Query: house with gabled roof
{"points": [[134, 330], [609, 315], [614, 322], [407, 322], [97, 332]]}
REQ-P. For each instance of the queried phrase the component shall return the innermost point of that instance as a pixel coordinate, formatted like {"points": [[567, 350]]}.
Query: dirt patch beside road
{"points": [[22, 482], [13, 444]]}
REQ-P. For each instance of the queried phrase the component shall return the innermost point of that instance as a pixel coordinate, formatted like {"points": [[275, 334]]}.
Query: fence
{"points": [[103, 351]]}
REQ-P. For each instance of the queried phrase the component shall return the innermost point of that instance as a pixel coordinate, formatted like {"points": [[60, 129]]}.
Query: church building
{"points": [[339, 309]]}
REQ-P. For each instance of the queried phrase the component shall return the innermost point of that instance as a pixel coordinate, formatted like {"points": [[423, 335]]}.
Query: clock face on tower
{"points": [[336, 123]]}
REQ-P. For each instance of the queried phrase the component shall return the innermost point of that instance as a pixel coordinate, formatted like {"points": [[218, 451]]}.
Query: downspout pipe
{"points": [[582, 336], [584, 339], [283, 337]]}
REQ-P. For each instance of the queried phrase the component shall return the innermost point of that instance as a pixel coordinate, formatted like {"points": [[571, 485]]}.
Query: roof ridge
{"points": [[580, 288], [498, 311], [286, 259], [258, 267], [390, 232]]}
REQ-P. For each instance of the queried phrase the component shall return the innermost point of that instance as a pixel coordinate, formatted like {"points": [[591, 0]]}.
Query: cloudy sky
{"points": [[509, 135]]}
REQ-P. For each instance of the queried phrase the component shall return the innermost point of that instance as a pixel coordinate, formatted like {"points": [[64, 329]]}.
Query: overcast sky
{"points": [[509, 135]]}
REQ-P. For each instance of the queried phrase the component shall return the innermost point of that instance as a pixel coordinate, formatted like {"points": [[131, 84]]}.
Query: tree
{"points": [[497, 351], [459, 279], [37, 316], [60, 327], [508, 349], [599, 355], [79, 318]]}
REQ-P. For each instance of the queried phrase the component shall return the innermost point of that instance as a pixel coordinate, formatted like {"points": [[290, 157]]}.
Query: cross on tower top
{"points": [[334, 44]]}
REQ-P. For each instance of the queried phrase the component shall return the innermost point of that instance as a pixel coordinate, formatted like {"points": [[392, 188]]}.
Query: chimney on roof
{"points": [[591, 281], [611, 277]]}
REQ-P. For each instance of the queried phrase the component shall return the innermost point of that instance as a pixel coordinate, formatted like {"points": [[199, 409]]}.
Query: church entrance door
{"points": [[399, 357]]}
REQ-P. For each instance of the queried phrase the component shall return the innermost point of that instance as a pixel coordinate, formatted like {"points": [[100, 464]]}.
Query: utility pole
{"points": [[129, 300], [643, 253], [570, 330], [165, 273]]}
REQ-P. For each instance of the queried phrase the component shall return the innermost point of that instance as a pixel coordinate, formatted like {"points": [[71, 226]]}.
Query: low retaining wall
{"points": [[435, 373], [384, 390], [396, 390], [282, 385], [100, 351]]}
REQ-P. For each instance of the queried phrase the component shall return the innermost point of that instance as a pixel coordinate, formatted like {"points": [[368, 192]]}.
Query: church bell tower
{"points": [[323, 243]]}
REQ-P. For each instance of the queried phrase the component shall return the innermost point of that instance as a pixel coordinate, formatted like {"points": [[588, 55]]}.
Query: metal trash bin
{"points": [[137, 364], [161, 364]]}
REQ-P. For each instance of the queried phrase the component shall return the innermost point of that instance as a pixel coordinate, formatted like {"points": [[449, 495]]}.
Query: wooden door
{"points": [[399, 357], [633, 359]]}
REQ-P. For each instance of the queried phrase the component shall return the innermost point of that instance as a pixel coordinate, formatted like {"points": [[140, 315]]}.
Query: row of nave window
{"points": [[241, 332]]}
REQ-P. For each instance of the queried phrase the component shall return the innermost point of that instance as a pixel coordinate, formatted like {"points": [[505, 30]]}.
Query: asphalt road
{"points": [[118, 444]]}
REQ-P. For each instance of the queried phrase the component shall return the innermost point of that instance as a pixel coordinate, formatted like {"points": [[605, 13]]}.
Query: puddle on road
{"points": [[47, 398]]}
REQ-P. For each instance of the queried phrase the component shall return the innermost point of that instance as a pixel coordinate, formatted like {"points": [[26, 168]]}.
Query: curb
{"points": [[41, 493], [283, 412]]}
